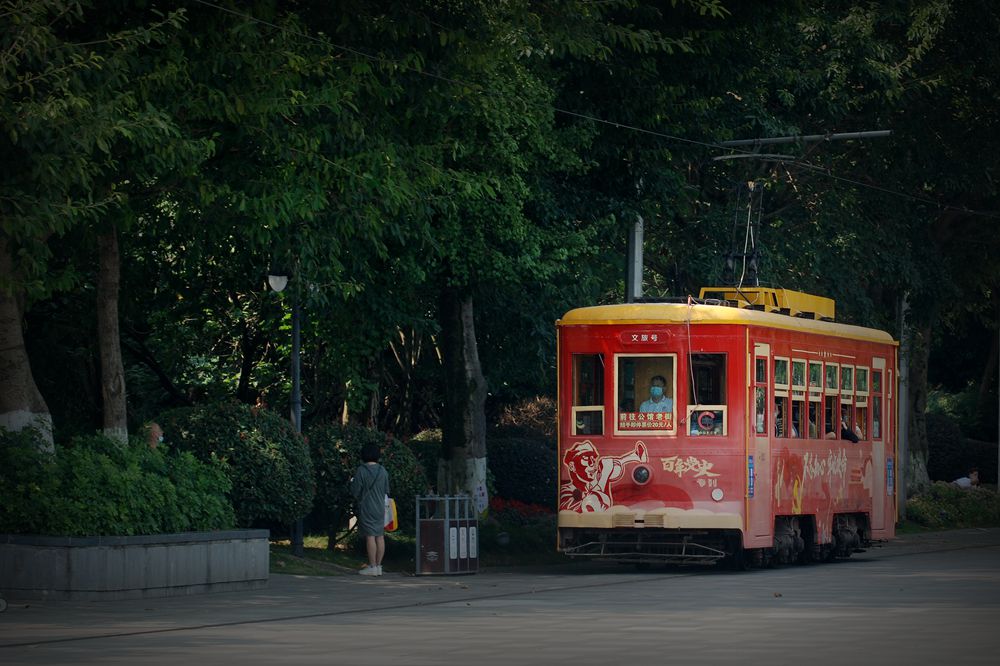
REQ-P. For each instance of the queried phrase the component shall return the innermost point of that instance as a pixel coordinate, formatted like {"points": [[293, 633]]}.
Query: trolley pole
{"points": [[633, 272]]}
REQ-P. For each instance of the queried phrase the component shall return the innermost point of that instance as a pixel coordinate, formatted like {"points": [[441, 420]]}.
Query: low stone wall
{"points": [[158, 565]]}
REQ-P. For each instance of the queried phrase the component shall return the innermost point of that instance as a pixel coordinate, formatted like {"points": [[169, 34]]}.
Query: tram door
{"points": [[759, 514], [880, 436]]}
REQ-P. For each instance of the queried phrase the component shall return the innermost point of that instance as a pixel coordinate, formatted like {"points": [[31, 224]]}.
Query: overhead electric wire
{"points": [[729, 146]]}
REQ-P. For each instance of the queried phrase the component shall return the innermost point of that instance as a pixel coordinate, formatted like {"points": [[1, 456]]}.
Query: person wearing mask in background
{"points": [[154, 434]]}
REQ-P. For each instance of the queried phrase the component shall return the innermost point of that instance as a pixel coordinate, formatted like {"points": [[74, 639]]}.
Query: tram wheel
{"points": [[740, 559]]}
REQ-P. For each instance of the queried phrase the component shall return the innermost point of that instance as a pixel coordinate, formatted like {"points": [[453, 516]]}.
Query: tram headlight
{"points": [[717, 494], [641, 475]]}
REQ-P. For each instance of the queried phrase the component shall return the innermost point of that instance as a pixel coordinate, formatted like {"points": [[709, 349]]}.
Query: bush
{"points": [[950, 455], [531, 419], [516, 532], [523, 469], [267, 461], [336, 453], [426, 447], [945, 505], [946, 459], [96, 487]]}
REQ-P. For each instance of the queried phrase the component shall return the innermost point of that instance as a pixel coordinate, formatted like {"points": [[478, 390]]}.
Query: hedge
{"points": [[267, 461], [336, 454], [96, 487]]}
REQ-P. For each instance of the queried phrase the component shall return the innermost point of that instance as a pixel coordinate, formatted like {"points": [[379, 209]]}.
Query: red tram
{"points": [[748, 426]]}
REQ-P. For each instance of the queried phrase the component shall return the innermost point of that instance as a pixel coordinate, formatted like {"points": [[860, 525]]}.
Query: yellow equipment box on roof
{"points": [[784, 301]]}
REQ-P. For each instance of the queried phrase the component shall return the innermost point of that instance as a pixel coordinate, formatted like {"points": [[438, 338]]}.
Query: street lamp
{"points": [[278, 280]]}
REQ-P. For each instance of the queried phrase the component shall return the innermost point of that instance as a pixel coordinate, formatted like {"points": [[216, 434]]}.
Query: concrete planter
{"points": [[158, 565]]}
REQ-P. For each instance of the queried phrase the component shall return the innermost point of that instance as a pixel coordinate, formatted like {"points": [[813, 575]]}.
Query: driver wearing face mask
{"points": [[657, 401]]}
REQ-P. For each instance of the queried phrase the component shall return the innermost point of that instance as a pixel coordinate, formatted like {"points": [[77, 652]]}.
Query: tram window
{"points": [[832, 374], [780, 420], [588, 394], [798, 408], [588, 379], [799, 375], [760, 392], [760, 403], [861, 422], [707, 395], [831, 417], [761, 373], [815, 376], [646, 388], [861, 381], [708, 385], [847, 379], [877, 417], [814, 423], [781, 372], [876, 404]]}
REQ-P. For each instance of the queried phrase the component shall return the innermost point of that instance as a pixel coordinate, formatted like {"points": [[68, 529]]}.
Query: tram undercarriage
{"points": [[794, 542]]}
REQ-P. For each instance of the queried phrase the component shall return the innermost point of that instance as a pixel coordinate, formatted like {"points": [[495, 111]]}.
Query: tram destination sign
{"points": [[642, 337]]}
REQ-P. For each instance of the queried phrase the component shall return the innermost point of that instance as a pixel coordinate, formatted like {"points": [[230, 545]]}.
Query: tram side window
{"points": [[782, 426], [814, 420], [760, 396], [647, 386], [798, 407], [831, 401], [876, 404], [588, 394], [707, 395]]}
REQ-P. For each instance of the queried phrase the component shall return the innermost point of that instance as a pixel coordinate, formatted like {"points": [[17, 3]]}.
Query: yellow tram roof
{"points": [[679, 313]]}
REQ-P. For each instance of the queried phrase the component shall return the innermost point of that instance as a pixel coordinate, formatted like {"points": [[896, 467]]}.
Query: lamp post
{"points": [[278, 281]]}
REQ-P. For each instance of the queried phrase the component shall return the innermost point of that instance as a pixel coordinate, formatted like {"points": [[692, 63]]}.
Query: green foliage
{"points": [[336, 453], [945, 505], [946, 450], [267, 461], [523, 469], [531, 418], [950, 455], [94, 487], [518, 533], [426, 447]]}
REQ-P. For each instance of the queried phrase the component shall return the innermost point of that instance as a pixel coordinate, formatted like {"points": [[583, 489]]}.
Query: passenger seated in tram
{"points": [[657, 402], [845, 428]]}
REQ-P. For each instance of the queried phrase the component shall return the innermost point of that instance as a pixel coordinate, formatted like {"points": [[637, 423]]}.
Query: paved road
{"points": [[932, 598]]}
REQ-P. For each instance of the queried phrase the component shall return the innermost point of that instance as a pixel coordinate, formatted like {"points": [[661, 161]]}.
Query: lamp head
{"points": [[277, 282]]}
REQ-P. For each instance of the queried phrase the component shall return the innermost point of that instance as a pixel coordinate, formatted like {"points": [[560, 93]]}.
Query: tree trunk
{"points": [[463, 432], [986, 399], [249, 345], [112, 371], [21, 405], [918, 446]]}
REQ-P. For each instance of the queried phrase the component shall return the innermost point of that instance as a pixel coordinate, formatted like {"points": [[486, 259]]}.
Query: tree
{"points": [[65, 101]]}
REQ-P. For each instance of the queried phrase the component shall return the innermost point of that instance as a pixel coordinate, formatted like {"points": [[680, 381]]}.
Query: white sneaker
{"points": [[369, 571], [379, 568]]}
